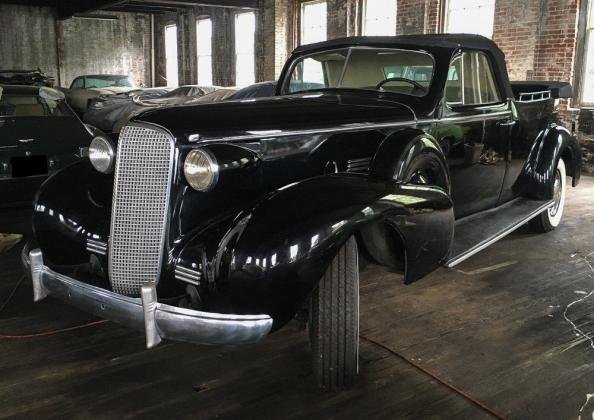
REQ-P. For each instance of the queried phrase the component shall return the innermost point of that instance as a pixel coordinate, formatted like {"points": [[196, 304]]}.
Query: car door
{"points": [[474, 133]]}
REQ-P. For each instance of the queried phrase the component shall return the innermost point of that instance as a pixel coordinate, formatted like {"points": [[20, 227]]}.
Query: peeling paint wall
{"points": [[31, 37], [92, 46], [28, 38]]}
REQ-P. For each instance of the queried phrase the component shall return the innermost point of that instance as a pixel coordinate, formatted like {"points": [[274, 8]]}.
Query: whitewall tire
{"points": [[551, 218]]}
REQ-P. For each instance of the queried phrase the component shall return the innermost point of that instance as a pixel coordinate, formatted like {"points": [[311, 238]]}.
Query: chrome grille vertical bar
{"points": [[140, 210]]}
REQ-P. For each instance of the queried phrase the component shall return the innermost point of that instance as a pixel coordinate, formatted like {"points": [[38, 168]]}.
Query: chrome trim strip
{"points": [[158, 320], [365, 126], [195, 282], [464, 256], [544, 96], [101, 251], [97, 243], [188, 270], [365, 159], [194, 276]]}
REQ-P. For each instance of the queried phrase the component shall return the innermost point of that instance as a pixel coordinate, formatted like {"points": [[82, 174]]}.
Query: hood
{"points": [[277, 114]]}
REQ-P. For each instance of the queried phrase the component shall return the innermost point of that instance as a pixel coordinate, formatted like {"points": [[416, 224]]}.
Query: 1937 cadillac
{"points": [[217, 223]]}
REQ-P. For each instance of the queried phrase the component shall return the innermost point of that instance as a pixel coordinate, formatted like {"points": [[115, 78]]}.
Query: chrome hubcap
{"points": [[420, 177], [557, 193]]}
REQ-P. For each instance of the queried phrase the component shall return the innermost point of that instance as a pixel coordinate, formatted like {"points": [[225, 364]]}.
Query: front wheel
{"points": [[334, 321], [551, 218]]}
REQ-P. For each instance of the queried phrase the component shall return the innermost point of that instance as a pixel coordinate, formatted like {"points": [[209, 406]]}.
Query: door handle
{"points": [[506, 123]]}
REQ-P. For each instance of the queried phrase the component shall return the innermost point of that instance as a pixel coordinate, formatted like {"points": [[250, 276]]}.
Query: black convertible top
{"points": [[428, 42], [448, 41]]}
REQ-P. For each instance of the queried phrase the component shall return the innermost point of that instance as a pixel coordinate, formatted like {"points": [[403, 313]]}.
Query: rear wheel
{"points": [[334, 321], [551, 218]]}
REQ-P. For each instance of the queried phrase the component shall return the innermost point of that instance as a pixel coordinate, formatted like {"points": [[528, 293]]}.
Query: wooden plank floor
{"points": [[509, 327]]}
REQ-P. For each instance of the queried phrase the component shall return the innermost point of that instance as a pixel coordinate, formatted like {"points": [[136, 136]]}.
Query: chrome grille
{"points": [[140, 207]]}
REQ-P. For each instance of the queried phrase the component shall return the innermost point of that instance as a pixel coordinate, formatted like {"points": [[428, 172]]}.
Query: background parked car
{"points": [[257, 90], [105, 111], [39, 134], [84, 88], [216, 96]]}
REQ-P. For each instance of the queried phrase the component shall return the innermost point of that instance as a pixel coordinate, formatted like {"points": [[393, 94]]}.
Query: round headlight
{"points": [[201, 170], [102, 155]]}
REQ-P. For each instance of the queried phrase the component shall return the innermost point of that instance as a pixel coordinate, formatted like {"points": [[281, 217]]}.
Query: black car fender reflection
{"points": [[538, 173], [277, 252], [63, 223], [398, 151]]}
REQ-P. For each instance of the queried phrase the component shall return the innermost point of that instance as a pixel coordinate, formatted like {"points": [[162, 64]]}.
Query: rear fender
{"points": [[538, 172], [276, 253]]}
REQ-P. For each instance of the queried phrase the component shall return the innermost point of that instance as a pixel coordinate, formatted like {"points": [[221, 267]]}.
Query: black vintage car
{"points": [[39, 135], [218, 223]]}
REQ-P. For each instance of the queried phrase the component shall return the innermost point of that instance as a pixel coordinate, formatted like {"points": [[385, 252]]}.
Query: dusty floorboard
{"points": [[510, 327]]}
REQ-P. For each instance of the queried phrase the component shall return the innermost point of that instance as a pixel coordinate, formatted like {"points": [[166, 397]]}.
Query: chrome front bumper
{"points": [[158, 321]]}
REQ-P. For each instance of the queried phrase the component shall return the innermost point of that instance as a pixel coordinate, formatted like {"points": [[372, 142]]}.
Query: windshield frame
{"points": [[284, 90]]}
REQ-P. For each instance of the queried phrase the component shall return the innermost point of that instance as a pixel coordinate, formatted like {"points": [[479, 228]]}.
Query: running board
{"points": [[474, 233]]}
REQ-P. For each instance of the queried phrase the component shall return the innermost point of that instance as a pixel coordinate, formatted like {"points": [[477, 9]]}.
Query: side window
{"points": [[78, 83], [471, 81]]}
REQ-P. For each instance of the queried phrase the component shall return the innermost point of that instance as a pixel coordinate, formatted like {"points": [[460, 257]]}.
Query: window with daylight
{"points": [[587, 94], [204, 51], [470, 17], [471, 81], [379, 17], [313, 29], [171, 55], [245, 61], [313, 22]]}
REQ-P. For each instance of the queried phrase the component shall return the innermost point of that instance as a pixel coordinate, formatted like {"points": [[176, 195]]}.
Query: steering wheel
{"points": [[400, 79]]}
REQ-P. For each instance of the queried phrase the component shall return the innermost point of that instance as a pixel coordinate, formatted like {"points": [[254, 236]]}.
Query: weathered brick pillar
{"points": [[342, 18], [274, 37]]}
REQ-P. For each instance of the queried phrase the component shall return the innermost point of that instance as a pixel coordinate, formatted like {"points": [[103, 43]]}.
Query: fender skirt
{"points": [[277, 252]]}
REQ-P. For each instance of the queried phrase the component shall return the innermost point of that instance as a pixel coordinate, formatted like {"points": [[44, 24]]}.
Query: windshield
{"points": [[400, 71], [31, 106], [99, 82]]}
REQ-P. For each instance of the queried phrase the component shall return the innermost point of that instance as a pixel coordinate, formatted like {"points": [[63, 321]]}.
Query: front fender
{"points": [[277, 252], [72, 206], [538, 172]]}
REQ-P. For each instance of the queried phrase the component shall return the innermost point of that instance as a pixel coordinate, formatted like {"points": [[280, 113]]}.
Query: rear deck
{"points": [[509, 328]]}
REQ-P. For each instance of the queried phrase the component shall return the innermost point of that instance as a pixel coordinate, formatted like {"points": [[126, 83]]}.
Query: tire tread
{"points": [[334, 318]]}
